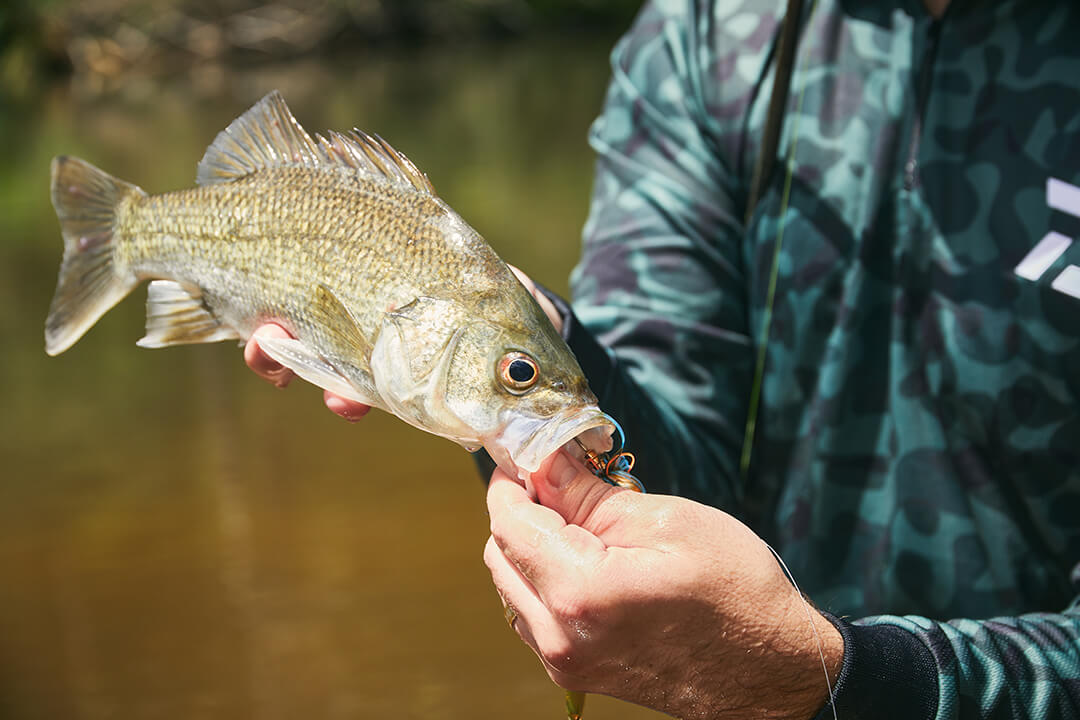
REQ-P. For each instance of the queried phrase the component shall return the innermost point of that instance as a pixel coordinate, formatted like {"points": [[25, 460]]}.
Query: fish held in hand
{"points": [[392, 298]]}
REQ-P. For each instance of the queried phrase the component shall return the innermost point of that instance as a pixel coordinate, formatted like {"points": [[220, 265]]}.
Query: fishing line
{"points": [[809, 619], [789, 36]]}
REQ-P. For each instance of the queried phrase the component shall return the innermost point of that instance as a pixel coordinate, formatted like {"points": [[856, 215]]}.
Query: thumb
{"points": [[567, 487]]}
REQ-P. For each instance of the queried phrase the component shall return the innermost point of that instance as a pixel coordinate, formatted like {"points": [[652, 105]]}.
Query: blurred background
{"points": [[179, 539]]}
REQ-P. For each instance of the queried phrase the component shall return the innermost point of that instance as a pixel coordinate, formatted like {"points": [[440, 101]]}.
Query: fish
{"points": [[390, 297]]}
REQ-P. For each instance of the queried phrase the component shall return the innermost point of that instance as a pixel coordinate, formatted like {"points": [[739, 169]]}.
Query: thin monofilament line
{"points": [[755, 394], [810, 619]]}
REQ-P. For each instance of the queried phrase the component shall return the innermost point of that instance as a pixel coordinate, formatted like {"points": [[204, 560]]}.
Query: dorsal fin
{"points": [[268, 136], [265, 136], [372, 155]]}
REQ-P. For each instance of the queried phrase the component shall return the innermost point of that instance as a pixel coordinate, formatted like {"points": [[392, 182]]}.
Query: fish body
{"points": [[392, 298]]}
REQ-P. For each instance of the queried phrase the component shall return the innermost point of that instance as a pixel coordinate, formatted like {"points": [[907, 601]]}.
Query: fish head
{"points": [[521, 390]]}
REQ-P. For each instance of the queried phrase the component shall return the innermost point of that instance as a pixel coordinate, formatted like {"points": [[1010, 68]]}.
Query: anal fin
{"points": [[296, 356], [178, 316]]}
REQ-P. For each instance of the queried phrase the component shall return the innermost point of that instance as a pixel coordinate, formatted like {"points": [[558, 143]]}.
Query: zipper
{"points": [[922, 99]]}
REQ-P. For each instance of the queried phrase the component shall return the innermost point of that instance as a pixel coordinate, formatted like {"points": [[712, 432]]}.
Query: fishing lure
{"points": [[613, 467]]}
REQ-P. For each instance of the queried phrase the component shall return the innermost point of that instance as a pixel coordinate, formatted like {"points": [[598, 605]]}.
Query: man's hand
{"points": [[656, 600], [274, 372]]}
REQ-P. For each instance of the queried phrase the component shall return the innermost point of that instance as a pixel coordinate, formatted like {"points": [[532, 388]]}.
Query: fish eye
{"points": [[518, 372]]}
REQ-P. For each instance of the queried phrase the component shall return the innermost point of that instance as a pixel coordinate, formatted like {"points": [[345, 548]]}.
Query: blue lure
{"points": [[613, 467]]}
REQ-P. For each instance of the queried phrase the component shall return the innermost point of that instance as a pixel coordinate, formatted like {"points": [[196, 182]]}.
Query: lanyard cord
{"points": [[763, 168], [774, 119]]}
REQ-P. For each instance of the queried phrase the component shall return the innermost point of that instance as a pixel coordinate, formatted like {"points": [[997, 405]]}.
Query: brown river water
{"points": [[179, 539]]}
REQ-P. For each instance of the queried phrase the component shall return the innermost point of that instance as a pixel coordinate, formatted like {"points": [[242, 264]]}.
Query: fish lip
{"points": [[529, 440]]}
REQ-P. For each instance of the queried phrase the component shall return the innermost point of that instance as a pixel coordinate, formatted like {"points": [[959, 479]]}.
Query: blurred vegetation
{"points": [[180, 540], [100, 40]]}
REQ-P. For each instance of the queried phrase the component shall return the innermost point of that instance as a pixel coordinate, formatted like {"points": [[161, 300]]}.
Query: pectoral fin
{"points": [[296, 356], [176, 315], [330, 313]]}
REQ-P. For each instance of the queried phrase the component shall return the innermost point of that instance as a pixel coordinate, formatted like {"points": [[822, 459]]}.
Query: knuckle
{"points": [[500, 526], [491, 553], [561, 679], [670, 519], [560, 654], [568, 607], [576, 607], [506, 524]]}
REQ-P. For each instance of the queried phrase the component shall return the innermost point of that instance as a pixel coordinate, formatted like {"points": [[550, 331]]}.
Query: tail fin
{"points": [[90, 283]]}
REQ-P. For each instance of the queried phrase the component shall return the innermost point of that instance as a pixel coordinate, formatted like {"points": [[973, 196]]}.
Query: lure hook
{"points": [[613, 467]]}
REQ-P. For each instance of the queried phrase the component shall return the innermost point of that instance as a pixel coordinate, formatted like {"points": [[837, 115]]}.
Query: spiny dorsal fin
{"points": [[265, 136], [268, 136], [374, 156]]}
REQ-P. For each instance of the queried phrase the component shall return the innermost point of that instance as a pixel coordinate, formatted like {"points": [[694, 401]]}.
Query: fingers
{"points": [[622, 519], [348, 409], [517, 593], [273, 371], [556, 559], [264, 366], [535, 624], [564, 485]]}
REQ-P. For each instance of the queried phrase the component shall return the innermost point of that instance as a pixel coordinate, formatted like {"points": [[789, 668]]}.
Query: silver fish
{"points": [[393, 300]]}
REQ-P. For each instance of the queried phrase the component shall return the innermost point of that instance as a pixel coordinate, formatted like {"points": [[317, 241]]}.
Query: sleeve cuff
{"points": [[887, 674]]}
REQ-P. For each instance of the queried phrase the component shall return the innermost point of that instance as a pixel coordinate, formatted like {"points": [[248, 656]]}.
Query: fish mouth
{"points": [[527, 441]]}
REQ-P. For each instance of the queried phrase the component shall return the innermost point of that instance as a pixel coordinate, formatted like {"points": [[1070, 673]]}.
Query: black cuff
{"points": [[594, 360], [888, 674]]}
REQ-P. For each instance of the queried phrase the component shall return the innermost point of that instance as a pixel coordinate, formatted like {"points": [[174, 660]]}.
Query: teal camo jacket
{"points": [[916, 459]]}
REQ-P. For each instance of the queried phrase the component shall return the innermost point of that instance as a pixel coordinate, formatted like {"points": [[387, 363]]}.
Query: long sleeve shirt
{"points": [[911, 279]]}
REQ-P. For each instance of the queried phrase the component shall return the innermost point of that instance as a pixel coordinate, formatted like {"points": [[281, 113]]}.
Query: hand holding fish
{"points": [[656, 600], [277, 374]]}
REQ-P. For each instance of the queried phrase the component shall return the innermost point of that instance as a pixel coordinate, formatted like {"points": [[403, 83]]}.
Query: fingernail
{"points": [[347, 410], [354, 413]]}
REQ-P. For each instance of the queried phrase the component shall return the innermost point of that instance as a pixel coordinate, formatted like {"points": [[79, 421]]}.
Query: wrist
{"points": [[818, 648]]}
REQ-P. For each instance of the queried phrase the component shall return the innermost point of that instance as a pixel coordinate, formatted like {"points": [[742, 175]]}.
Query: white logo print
{"points": [[1062, 196]]}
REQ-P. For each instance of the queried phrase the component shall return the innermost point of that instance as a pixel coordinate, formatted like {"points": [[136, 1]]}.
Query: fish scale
{"points": [[390, 297]]}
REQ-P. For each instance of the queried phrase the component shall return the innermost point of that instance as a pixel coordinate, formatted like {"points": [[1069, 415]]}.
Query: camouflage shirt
{"points": [[916, 459]]}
